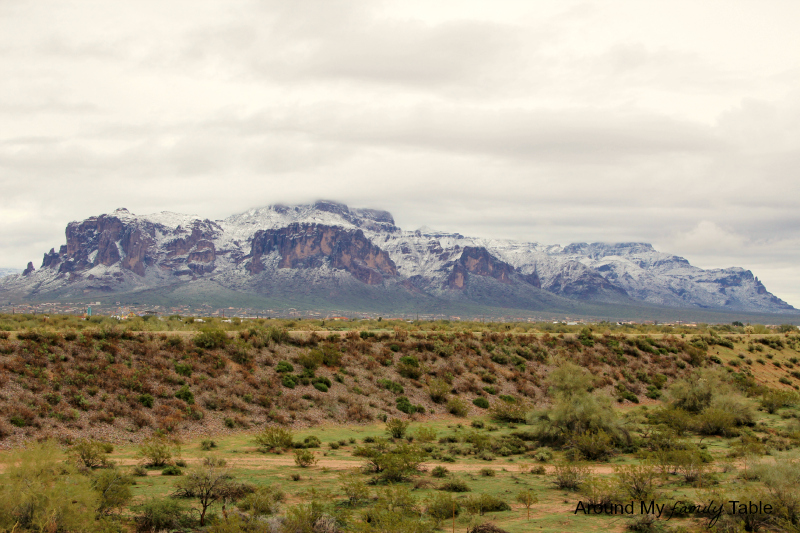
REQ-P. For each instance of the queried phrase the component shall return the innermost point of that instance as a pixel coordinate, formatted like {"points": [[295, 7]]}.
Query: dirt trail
{"points": [[344, 464]]}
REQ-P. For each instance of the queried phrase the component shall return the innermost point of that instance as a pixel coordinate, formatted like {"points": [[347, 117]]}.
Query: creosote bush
{"points": [[162, 514], [90, 453], [396, 428], [274, 439], [156, 451], [570, 476], [439, 471], [304, 458], [458, 407], [211, 339]]}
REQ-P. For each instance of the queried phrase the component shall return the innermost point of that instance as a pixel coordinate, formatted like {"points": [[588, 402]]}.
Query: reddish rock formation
{"points": [[480, 262], [132, 245], [312, 245]]}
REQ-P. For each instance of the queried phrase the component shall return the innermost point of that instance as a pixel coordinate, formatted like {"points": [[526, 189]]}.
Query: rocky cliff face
{"points": [[134, 244], [327, 243], [479, 262], [314, 245]]}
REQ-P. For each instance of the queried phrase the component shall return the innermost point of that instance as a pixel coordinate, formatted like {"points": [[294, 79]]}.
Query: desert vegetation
{"points": [[282, 427]]}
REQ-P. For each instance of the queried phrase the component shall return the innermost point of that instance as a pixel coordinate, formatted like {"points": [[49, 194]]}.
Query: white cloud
{"points": [[708, 238]]}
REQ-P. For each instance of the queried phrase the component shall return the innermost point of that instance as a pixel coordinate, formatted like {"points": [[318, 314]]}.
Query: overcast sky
{"points": [[672, 122]]}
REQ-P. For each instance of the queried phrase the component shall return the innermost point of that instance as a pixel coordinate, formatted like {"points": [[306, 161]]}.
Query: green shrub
{"points": [[625, 394], [289, 381], [695, 392], [404, 405], [175, 342], [425, 434], [396, 428], [688, 463], [594, 446], [183, 369], [274, 438], [89, 453], [485, 503], [439, 471], [210, 339], [442, 349], [207, 444], [262, 502], [171, 470], [438, 390], [442, 506], [161, 514], [392, 464], [713, 421], [638, 482], [455, 485], [311, 360], [575, 410], [284, 366], [156, 451], [240, 353], [543, 454], [773, 400], [312, 441], [390, 386], [570, 476], [458, 407], [146, 400], [185, 394], [653, 392], [509, 412], [481, 402], [304, 458], [674, 418], [409, 367]]}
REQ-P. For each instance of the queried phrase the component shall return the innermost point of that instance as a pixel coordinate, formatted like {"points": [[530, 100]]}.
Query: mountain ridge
{"points": [[329, 248]]}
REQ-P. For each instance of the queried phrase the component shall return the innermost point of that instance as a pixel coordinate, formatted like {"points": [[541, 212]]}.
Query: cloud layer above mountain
{"points": [[676, 123]]}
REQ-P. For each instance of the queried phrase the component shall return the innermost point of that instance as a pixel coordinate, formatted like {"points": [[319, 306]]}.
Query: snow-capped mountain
{"points": [[328, 251]]}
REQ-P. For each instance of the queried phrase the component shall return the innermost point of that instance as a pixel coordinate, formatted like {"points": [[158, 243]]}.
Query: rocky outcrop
{"points": [[29, 269], [194, 251], [315, 245], [479, 262], [579, 282], [132, 244]]}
